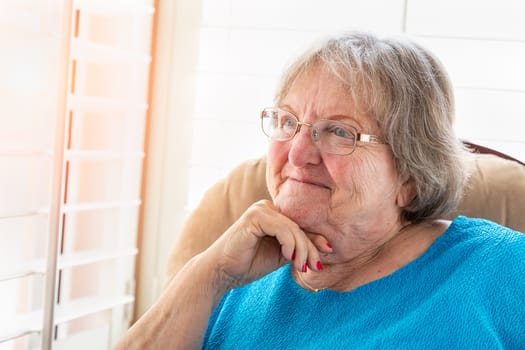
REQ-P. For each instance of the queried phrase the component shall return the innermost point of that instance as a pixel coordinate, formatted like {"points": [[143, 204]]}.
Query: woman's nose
{"points": [[303, 150]]}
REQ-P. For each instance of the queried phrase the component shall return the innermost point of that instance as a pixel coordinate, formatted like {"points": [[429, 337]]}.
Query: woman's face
{"points": [[325, 193]]}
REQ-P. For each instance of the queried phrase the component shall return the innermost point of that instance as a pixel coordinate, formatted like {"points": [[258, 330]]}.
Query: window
{"points": [[74, 96]]}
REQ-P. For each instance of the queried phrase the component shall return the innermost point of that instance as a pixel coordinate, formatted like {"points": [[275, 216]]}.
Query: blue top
{"points": [[467, 291]]}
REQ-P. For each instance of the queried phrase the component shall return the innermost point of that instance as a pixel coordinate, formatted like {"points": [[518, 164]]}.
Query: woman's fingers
{"points": [[306, 254], [321, 243]]}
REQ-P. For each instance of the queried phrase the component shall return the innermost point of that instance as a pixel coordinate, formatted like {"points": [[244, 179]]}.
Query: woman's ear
{"points": [[406, 193]]}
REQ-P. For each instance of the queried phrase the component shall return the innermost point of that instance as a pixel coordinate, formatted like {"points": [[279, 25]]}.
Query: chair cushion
{"points": [[496, 191]]}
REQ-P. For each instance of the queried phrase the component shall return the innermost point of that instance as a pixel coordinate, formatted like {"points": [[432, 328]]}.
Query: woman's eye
{"points": [[341, 132], [287, 123]]}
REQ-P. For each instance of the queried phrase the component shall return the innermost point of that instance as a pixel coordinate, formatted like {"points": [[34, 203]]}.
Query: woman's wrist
{"points": [[208, 272]]}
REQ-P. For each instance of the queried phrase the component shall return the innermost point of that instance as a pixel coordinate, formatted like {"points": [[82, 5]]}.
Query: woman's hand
{"points": [[261, 241]]}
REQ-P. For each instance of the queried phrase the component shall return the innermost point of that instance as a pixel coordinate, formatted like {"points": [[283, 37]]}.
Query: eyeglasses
{"points": [[330, 136]]}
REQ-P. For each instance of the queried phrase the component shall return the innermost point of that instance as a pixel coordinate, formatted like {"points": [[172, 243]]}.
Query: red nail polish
{"points": [[329, 246], [305, 267], [293, 255], [319, 265]]}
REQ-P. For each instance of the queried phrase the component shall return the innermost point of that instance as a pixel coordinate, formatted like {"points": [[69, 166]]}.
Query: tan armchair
{"points": [[496, 192]]}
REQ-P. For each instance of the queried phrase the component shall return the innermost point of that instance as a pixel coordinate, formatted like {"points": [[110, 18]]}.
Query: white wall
{"points": [[243, 46], [482, 43]]}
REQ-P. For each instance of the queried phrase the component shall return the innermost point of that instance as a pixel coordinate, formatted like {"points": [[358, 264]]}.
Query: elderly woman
{"points": [[351, 252]]}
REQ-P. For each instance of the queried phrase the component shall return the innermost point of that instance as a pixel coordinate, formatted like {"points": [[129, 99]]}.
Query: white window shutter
{"points": [[72, 128]]}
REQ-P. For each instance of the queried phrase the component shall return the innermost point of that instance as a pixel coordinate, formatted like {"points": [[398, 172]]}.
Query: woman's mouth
{"points": [[310, 182]]}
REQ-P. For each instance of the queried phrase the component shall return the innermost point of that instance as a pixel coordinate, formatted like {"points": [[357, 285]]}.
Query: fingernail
{"points": [[329, 246], [293, 255], [305, 267], [319, 265]]}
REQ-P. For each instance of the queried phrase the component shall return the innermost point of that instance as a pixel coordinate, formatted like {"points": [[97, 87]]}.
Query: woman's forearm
{"points": [[179, 318]]}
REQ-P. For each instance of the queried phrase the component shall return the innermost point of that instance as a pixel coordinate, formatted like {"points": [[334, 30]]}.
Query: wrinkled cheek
{"points": [[271, 182], [273, 179], [276, 158], [352, 186]]}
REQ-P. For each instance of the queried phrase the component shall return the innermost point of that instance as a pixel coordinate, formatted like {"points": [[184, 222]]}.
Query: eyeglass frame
{"points": [[359, 137]]}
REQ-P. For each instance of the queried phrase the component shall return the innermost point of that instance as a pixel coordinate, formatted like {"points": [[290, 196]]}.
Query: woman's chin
{"points": [[306, 215]]}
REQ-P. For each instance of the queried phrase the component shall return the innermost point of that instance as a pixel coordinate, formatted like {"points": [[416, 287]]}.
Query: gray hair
{"points": [[406, 89]]}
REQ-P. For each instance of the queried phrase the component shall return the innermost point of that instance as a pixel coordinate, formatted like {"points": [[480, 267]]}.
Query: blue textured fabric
{"points": [[467, 291]]}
